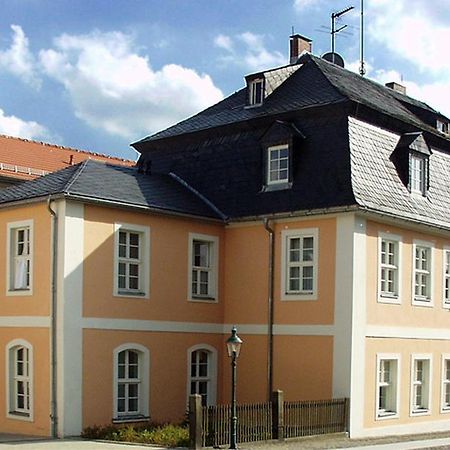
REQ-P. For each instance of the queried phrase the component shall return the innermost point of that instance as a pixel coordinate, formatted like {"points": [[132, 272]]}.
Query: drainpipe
{"points": [[270, 310], [54, 411]]}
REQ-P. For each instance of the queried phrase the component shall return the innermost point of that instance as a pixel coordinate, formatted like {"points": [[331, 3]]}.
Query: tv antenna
{"points": [[335, 16], [362, 68]]}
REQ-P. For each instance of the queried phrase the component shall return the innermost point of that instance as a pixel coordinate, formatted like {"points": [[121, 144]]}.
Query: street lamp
{"points": [[234, 343]]}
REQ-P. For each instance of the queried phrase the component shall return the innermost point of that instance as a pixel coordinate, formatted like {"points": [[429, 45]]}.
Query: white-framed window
{"points": [[446, 277], [389, 268], [19, 364], [445, 387], [256, 92], [202, 373], [442, 126], [131, 382], [131, 260], [278, 164], [423, 273], [203, 267], [299, 270], [418, 173], [387, 398], [20, 258], [420, 384]]}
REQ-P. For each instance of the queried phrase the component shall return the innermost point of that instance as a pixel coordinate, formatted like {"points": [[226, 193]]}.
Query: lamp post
{"points": [[234, 343]]}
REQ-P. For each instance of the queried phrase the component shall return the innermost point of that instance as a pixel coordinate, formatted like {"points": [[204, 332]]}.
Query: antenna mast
{"points": [[362, 69], [334, 31]]}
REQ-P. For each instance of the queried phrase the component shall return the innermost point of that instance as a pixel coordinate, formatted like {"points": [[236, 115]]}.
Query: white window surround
{"points": [[445, 384], [256, 92], [212, 375], [144, 261], [301, 233], [144, 376], [10, 401], [446, 278], [10, 259], [385, 297], [426, 300], [213, 269], [418, 176], [394, 393], [281, 171], [425, 385]]}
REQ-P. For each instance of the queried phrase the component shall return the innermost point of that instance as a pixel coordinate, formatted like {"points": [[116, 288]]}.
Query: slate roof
{"points": [[316, 83], [111, 184]]}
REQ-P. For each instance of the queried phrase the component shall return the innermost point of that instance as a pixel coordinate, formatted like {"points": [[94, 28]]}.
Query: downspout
{"points": [[54, 411], [270, 310]]}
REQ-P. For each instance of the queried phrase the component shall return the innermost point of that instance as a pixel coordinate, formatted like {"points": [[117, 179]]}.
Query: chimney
{"points": [[396, 87], [297, 45]]}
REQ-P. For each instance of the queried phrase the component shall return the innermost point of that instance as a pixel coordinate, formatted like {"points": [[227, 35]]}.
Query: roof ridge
{"points": [[75, 176]]}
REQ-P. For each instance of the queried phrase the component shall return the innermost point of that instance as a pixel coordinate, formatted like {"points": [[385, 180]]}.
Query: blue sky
{"points": [[100, 74]]}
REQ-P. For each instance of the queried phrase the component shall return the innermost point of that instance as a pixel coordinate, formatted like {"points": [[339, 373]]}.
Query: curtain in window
{"points": [[20, 274]]}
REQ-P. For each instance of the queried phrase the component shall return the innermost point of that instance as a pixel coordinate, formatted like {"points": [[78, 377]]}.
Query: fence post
{"points": [[278, 415], [195, 422]]}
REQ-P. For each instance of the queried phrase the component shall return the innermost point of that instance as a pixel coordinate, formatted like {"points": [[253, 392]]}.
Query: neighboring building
{"points": [[153, 265], [22, 159]]}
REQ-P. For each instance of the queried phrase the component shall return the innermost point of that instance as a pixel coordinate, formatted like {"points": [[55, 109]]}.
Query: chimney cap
{"points": [[397, 87], [296, 35]]}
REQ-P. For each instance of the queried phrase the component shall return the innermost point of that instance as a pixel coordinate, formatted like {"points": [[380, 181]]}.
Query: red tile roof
{"points": [[25, 160]]}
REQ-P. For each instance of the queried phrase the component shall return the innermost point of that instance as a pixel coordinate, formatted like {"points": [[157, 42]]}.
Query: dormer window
{"points": [[278, 164], [442, 126], [256, 92], [418, 165]]}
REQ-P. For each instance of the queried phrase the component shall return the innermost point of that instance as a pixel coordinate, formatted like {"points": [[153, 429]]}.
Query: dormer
{"points": [[442, 125], [255, 90]]}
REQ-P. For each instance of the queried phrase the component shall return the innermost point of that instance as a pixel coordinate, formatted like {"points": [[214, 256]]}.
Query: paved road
{"points": [[70, 444]]}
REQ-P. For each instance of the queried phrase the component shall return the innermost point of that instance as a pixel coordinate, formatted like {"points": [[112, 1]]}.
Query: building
{"points": [[310, 209], [22, 159]]}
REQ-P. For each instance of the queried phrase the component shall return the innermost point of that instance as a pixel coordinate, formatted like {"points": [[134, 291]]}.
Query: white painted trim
{"points": [[213, 296], [380, 357], [424, 357], [301, 233], [212, 367], [443, 410], [268, 152], [415, 302], [445, 252], [144, 398], [10, 346], [144, 272], [398, 239], [378, 331], [25, 321], [10, 227]]}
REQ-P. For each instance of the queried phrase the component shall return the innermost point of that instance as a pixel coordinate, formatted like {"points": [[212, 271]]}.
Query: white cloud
{"points": [[14, 126], [115, 89], [248, 50], [18, 59], [301, 5]]}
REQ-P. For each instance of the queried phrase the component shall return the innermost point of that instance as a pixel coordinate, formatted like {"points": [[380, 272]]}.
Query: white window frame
{"points": [[12, 229], [286, 236], [445, 382], [426, 384], [12, 411], [144, 381], [386, 297], [277, 148], [446, 277], [395, 381], [419, 300], [143, 261], [253, 90], [418, 173], [212, 269], [212, 372]]}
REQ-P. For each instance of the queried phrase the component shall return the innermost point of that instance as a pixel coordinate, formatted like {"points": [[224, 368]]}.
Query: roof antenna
{"points": [[362, 69], [334, 31]]}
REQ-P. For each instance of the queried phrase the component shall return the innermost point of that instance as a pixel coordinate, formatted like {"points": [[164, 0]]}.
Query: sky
{"points": [[98, 75]]}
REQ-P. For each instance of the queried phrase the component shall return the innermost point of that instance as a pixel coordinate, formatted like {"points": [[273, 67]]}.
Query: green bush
{"points": [[168, 435]]}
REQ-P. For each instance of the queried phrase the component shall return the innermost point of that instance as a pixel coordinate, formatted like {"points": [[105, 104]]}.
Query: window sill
{"points": [[421, 301], [19, 292], [387, 415], [131, 294], [20, 416], [391, 299], [131, 419], [287, 296], [420, 412], [200, 299], [276, 187]]}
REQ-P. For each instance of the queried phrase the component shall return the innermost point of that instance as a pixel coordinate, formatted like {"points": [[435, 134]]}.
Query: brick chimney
{"points": [[297, 45], [396, 87]]}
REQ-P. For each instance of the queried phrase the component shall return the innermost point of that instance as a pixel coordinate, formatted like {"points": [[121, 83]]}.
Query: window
{"points": [[389, 272], [131, 375], [20, 376], [20, 245], [446, 277], [442, 126], [418, 175], [422, 273], [278, 164], [299, 269], [387, 382], [202, 367], [203, 256], [131, 268], [256, 91], [420, 385], [445, 399]]}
